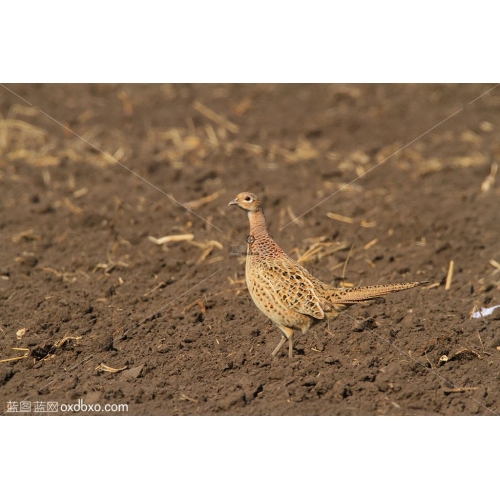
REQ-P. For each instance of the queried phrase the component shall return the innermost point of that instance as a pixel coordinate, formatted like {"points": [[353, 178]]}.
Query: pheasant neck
{"points": [[259, 242], [258, 226]]}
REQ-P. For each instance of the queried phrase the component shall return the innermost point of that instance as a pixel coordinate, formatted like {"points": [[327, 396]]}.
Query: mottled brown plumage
{"points": [[286, 292]]}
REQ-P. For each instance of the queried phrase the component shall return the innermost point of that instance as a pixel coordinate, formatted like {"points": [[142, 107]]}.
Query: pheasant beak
{"points": [[234, 202]]}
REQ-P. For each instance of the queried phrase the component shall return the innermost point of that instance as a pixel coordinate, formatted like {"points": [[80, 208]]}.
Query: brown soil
{"points": [[77, 262]]}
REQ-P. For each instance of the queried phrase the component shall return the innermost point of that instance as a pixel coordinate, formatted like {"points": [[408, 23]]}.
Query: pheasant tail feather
{"points": [[360, 294]]}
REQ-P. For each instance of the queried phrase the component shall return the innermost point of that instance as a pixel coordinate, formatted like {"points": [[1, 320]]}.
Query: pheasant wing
{"points": [[290, 286]]}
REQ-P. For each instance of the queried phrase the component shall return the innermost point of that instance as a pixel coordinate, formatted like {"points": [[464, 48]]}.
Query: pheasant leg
{"points": [[287, 335]]}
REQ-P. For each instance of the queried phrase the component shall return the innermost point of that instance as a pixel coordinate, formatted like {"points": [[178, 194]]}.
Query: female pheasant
{"points": [[286, 292]]}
